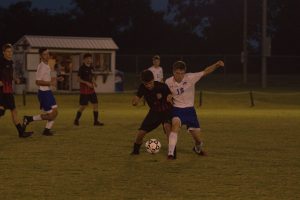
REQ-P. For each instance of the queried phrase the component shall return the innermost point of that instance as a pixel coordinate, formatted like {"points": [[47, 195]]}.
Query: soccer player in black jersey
{"points": [[87, 91], [159, 100], [7, 100]]}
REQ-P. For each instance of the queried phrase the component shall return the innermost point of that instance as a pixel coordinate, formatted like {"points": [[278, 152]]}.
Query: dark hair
{"points": [[179, 65], [147, 76], [87, 55], [156, 57], [41, 50], [6, 46]]}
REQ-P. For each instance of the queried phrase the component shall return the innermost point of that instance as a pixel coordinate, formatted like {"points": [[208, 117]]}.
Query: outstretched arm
{"points": [[213, 67]]}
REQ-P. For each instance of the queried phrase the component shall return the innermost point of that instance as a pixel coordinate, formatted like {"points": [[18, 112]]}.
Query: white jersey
{"points": [[43, 73], [157, 73], [184, 92]]}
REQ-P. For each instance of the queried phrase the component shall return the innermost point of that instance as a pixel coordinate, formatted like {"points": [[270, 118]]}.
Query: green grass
{"points": [[253, 153]]}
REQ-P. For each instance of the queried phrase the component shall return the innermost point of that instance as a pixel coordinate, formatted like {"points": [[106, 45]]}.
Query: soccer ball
{"points": [[153, 146]]}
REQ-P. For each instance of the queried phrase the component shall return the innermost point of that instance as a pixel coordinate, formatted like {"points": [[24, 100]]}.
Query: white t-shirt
{"points": [[43, 73], [157, 73], [184, 92]]}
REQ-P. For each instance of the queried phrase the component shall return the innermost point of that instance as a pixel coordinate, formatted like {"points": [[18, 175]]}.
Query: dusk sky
{"points": [[61, 5]]}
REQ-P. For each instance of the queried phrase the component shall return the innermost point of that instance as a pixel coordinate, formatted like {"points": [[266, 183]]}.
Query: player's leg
{"points": [[94, 101], [198, 148], [138, 142], [51, 116], [83, 102], [2, 111], [21, 131], [176, 124], [151, 121], [193, 126], [10, 104]]}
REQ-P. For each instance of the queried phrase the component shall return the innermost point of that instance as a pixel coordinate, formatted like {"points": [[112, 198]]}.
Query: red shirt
{"points": [[6, 75]]}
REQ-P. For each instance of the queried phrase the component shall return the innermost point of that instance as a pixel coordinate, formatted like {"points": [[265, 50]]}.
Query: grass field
{"points": [[254, 153]]}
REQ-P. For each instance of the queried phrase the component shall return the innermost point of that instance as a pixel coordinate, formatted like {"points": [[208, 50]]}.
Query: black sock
{"points": [[20, 129], [95, 116], [136, 148], [46, 130], [30, 118], [78, 115]]}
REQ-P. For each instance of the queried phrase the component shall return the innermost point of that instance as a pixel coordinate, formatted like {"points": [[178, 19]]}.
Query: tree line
{"points": [[185, 27]]}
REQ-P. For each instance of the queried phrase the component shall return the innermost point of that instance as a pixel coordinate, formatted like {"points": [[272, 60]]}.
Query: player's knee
{"points": [[167, 127], [2, 112]]}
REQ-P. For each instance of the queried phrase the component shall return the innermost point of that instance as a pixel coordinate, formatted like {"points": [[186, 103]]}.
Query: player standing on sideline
{"points": [[87, 92], [45, 95], [182, 86], [156, 69], [158, 97], [7, 100]]}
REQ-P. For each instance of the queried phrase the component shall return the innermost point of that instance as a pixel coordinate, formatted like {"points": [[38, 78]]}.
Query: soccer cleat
{"points": [[25, 134], [134, 153], [97, 123], [200, 153], [171, 157], [76, 122], [26, 121], [48, 133]]}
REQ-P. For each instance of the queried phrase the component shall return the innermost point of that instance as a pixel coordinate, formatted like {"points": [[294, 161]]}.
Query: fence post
{"points": [[251, 98], [200, 99]]}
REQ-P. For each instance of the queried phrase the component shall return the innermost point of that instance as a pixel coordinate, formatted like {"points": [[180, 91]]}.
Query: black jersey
{"points": [[86, 74], [157, 97]]}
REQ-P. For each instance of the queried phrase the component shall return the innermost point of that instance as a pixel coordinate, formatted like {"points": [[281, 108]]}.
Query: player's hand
{"points": [[1, 83], [90, 84], [170, 98], [95, 84], [135, 101], [220, 63]]}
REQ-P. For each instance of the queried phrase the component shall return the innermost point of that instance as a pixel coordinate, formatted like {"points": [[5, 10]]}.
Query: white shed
{"points": [[66, 58]]}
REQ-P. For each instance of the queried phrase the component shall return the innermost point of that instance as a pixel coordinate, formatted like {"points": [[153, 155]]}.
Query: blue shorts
{"points": [[187, 117], [47, 100]]}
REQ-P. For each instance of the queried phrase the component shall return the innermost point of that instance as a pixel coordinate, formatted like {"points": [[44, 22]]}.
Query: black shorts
{"points": [[86, 98], [7, 101], [154, 119]]}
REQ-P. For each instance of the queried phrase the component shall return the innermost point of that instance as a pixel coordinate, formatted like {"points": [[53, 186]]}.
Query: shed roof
{"points": [[67, 42]]}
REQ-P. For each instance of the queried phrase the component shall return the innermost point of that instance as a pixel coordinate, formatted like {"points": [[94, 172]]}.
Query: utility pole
{"points": [[245, 47], [264, 44]]}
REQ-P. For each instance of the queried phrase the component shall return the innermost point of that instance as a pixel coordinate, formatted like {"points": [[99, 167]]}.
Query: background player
{"points": [[182, 86], [7, 100], [87, 91], [47, 101], [158, 98], [156, 69]]}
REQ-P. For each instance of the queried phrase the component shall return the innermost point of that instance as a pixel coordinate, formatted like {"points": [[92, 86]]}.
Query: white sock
{"points": [[172, 143], [37, 118], [49, 124]]}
